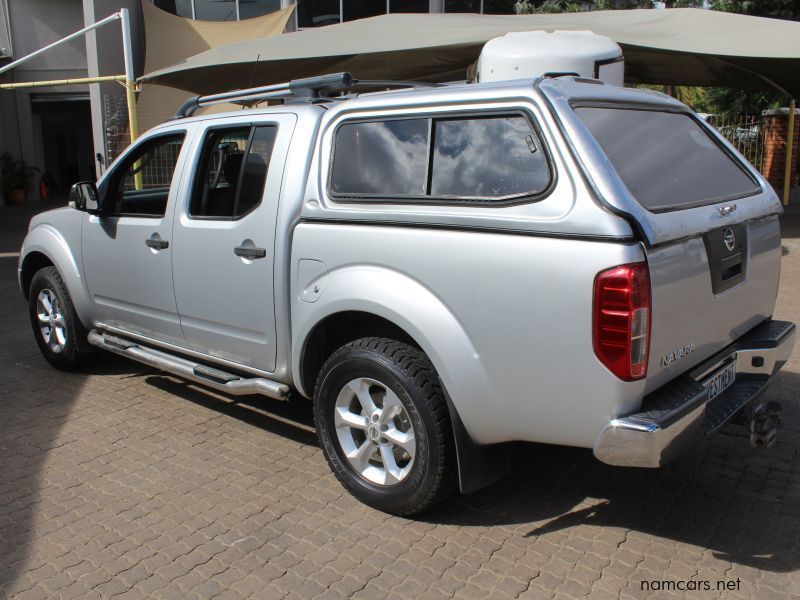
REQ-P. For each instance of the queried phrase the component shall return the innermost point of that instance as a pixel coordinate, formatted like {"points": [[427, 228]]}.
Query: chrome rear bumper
{"points": [[679, 413]]}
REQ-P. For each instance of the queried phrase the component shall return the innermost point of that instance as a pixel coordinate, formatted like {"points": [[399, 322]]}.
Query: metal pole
{"points": [[55, 82], [71, 36], [787, 176], [130, 75], [130, 86]]}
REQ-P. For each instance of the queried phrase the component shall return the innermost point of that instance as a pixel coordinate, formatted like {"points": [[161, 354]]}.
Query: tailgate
{"points": [[707, 291]]}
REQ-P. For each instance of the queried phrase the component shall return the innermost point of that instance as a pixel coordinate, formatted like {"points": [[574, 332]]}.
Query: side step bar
{"points": [[188, 369]]}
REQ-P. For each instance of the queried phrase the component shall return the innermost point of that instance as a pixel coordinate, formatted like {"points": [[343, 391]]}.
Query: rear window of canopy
{"points": [[667, 160]]}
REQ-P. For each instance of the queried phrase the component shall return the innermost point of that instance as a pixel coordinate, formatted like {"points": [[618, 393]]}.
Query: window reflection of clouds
{"points": [[386, 158], [487, 157]]}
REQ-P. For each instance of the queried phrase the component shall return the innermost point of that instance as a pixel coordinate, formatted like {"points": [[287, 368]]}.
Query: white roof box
{"points": [[536, 53]]}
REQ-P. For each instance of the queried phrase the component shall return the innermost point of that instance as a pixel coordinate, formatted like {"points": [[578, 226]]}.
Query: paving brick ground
{"points": [[123, 482]]}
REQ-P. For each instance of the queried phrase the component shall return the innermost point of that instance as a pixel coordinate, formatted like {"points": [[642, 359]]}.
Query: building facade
{"points": [[69, 133]]}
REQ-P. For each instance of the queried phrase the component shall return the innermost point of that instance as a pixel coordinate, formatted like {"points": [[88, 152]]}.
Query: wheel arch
{"points": [[33, 262], [390, 304], [338, 329], [44, 246], [395, 301]]}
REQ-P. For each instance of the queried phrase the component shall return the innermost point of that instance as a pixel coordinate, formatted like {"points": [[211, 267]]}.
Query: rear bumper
{"points": [[679, 413]]}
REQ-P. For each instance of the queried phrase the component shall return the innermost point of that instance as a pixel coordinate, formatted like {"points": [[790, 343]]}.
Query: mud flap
{"points": [[478, 466]]}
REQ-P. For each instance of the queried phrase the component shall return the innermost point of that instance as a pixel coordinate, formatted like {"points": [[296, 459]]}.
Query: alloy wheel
{"points": [[374, 431], [51, 320]]}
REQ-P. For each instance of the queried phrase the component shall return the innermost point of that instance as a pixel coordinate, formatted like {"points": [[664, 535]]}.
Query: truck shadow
{"points": [[35, 405], [740, 503], [293, 419], [722, 495]]}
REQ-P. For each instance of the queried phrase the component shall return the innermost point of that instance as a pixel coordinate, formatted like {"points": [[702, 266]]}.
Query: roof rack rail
{"points": [[308, 87]]}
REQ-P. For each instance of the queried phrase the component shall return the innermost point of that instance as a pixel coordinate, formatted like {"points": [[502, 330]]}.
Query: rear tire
{"points": [[383, 425], [61, 336]]}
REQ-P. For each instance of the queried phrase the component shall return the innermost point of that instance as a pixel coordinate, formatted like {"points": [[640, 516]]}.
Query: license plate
{"points": [[721, 380]]}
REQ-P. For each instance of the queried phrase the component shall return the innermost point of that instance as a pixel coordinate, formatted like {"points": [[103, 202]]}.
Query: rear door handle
{"points": [[155, 242], [250, 252]]}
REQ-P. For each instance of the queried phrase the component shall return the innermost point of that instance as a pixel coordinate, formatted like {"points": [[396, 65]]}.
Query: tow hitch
{"points": [[762, 421]]}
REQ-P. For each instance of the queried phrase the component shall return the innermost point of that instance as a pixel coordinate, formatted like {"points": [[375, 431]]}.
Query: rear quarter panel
{"points": [[505, 318]]}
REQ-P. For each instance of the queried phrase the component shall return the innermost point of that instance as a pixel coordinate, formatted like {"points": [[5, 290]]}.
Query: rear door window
{"points": [[666, 160], [232, 173]]}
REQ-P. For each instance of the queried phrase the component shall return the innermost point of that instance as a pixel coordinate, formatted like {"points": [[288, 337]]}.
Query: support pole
{"points": [[787, 176], [130, 76], [130, 88]]}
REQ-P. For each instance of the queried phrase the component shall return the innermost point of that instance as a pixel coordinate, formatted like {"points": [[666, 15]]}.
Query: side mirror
{"points": [[83, 196]]}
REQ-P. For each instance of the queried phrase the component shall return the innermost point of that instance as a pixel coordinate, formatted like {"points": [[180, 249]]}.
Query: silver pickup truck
{"points": [[442, 269]]}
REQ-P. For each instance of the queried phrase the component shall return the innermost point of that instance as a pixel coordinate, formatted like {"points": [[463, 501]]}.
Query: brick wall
{"points": [[776, 127]]}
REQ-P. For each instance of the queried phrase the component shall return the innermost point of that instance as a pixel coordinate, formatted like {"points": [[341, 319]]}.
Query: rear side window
{"points": [[666, 160], [481, 158], [232, 173]]}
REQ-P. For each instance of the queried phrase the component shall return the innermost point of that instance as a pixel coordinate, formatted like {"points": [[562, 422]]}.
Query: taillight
{"points": [[621, 322]]}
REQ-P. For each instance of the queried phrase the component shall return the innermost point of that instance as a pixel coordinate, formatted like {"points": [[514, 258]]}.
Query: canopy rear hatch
{"points": [[648, 158]]}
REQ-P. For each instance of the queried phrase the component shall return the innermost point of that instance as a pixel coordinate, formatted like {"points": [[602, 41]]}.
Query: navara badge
{"points": [[674, 356]]}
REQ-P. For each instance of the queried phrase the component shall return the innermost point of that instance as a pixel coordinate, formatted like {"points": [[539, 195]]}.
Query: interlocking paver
{"points": [[119, 480]]}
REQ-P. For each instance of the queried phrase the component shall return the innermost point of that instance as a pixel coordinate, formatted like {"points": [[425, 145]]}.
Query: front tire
{"points": [[383, 425], [58, 331]]}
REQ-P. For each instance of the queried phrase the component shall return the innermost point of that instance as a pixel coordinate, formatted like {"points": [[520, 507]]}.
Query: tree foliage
{"points": [[776, 9], [529, 7], [724, 100], [712, 100]]}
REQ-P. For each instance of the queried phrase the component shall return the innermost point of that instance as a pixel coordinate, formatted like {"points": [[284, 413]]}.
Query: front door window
{"points": [[140, 185]]}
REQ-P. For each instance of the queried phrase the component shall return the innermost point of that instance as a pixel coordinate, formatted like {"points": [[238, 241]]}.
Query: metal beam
{"points": [[56, 82], [72, 36]]}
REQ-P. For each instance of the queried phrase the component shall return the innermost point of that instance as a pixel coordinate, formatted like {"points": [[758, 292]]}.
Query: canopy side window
{"points": [[491, 158]]}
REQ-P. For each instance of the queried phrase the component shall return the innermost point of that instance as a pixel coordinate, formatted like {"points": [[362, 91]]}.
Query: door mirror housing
{"points": [[83, 196]]}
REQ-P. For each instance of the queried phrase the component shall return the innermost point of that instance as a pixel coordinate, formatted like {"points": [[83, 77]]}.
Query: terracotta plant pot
{"points": [[16, 197]]}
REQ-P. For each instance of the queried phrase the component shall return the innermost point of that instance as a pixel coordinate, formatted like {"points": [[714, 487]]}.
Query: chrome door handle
{"points": [[250, 252], [156, 243]]}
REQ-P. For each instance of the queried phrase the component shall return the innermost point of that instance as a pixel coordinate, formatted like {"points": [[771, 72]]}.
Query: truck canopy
{"points": [[650, 158]]}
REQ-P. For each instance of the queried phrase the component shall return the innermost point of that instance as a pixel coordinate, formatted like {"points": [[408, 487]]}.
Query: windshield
{"points": [[667, 160]]}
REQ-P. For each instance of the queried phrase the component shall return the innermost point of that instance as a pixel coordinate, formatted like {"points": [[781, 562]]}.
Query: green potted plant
{"points": [[17, 178]]}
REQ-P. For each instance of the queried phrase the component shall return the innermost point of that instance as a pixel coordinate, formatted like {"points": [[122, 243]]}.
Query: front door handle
{"points": [[250, 252], [156, 243]]}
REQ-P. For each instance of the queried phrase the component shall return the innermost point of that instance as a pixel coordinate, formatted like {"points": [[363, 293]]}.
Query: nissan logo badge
{"points": [[729, 238]]}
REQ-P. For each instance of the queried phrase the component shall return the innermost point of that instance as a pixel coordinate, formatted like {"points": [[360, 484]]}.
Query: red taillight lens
{"points": [[622, 320]]}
